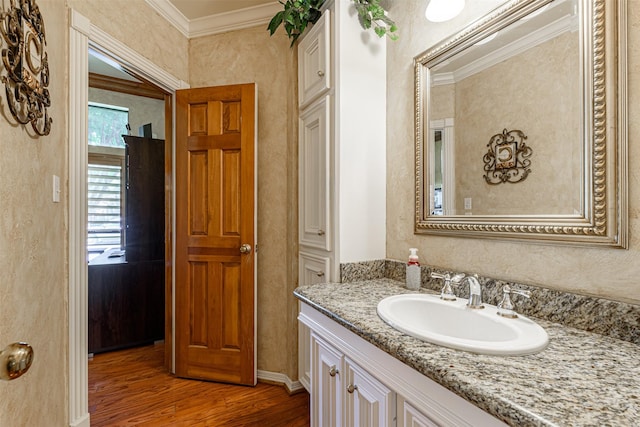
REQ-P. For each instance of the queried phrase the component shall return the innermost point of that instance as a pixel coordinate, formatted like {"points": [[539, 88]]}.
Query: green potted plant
{"points": [[298, 14]]}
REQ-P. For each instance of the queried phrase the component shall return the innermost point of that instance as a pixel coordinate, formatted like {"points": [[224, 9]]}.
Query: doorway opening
{"points": [[127, 222], [82, 36]]}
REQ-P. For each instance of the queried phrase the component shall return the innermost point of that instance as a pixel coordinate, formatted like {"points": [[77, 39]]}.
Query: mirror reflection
{"points": [[521, 126], [526, 76]]}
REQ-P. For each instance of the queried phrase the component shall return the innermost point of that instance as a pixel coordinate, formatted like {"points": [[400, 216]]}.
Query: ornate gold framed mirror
{"points": [[556, 71]]}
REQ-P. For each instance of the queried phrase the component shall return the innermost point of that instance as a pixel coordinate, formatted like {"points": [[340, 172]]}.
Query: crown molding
{"points": [[169, 12], [502, 53], [218, 23], [237, 20]]}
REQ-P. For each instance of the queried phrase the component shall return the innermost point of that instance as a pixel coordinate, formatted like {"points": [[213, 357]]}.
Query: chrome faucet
{"points": [[475, 291]]}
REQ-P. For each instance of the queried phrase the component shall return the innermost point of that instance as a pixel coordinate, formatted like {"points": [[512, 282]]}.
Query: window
{"points": [[105, 202], [106, 178], [107, 124]]}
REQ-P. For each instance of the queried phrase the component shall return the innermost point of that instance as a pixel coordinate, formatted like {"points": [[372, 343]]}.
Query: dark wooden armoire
{"points": [[126, 294]]}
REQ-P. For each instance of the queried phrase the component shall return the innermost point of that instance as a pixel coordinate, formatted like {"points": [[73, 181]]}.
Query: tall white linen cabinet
{"points": [[342, 150]]}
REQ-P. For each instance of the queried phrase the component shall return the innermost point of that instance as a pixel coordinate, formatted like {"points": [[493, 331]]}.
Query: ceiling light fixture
{"points": [[443, 10]]}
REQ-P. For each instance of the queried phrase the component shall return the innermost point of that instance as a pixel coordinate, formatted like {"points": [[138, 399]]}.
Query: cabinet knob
{"points": [[333, 371], [320, 73], [320, 273], [320, 232], [352, 388]]}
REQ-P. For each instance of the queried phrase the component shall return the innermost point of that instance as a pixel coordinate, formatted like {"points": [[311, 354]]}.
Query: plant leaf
{"points": [[297, 14], [275, 22]]}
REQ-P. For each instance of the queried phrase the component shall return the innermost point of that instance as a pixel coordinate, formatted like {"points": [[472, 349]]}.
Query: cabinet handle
{"points": [[320, 73], [333, 371], [320, 273], [352, 388], [320, 232]]}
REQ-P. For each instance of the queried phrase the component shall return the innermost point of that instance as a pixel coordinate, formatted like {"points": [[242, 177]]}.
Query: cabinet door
{"points": [[326, 384], [304, 356], [144, 235], [368, 402], [314, 197], [313, 269], [314, 61], [409, 416]]}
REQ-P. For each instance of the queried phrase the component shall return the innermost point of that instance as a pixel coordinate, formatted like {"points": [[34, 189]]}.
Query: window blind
{"points": [[105, 204]]}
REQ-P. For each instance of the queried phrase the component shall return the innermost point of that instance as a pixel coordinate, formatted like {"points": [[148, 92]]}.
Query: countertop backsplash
{"points": [[612, 318]]}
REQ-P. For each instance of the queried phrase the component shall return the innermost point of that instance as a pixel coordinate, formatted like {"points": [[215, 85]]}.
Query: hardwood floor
{"points": [[131, 388]]}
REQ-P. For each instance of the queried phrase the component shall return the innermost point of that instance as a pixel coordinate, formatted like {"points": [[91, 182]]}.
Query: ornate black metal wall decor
{"points": [[26, 63], [507, 159]]}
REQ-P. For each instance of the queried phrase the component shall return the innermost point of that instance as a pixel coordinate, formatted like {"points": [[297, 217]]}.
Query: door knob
{"points": [[15, 360], [245, 248]]}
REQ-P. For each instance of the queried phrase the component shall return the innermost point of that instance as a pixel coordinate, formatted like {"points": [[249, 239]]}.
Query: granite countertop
{"points": [[580, 379]]}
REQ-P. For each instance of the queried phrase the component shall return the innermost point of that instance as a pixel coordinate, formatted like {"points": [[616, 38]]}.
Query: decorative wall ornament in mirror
{"points": [[27, 65], [561, 64], [508, 158]]}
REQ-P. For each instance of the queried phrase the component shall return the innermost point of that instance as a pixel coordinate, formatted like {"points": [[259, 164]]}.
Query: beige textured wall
{"points": [[509, 95], [246, 56], [610, 273], [34, 244], [443, 102], [142, 110], [138, 26], [33, 230]]}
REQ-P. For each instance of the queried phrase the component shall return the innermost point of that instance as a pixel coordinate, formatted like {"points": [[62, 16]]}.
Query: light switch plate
{"points": [[56, 189], [467, 203]]}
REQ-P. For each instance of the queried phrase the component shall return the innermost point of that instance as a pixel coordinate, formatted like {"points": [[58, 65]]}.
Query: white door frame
{"points": [[83, 34], [446, 126]]}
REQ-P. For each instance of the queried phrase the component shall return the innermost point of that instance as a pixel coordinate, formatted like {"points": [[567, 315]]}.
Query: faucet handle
{"points": [[505, 307], [447, 292], [438, 275], [457, 278]]}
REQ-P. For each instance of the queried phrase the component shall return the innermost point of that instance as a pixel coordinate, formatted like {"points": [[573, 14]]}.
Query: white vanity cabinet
{"points": [[410, 416], [314, 213], [367, 402], [354, 383], [314, 61], [341, 150], [341, 140], [327, 387], [345, 394]]}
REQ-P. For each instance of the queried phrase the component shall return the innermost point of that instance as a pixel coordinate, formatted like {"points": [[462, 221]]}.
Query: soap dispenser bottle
{"points": [[413, 270]]}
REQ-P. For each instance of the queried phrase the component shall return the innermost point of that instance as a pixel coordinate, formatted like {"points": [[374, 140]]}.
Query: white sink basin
{"points": [[451, 324]]}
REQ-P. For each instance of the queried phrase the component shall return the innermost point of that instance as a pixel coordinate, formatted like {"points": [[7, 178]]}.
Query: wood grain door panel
{"points": [[215, 215]]}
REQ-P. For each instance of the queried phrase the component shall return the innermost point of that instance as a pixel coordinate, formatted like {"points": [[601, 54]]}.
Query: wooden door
{"points": [[215, 234]]}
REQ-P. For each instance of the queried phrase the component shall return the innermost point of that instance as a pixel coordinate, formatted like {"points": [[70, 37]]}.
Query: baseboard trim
{"points": [[280, 379], [84, 421]]}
